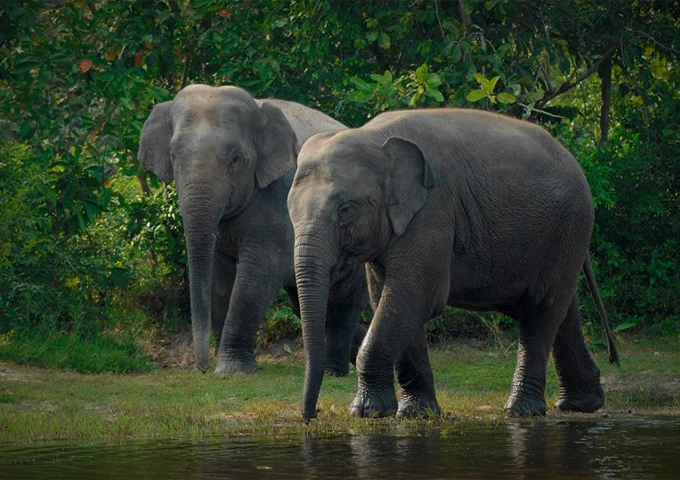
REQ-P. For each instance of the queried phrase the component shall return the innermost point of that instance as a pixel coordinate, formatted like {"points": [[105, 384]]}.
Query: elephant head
{"points": [[352, 195], [219, 145]]}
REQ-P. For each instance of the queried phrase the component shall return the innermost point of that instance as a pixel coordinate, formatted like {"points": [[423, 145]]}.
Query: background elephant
{"points": [[233, 158], [458, 207]]}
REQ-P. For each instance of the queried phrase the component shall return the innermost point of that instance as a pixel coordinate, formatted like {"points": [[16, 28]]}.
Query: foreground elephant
{"points": [[233, 159], [457, 207]]}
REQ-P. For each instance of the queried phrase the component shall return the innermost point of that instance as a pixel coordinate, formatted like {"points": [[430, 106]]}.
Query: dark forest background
{"points": [[92, 257]]}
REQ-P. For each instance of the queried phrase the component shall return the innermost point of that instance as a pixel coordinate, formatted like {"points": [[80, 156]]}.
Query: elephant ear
{"points": [[276, 146], [154, 145], [409, 181]]}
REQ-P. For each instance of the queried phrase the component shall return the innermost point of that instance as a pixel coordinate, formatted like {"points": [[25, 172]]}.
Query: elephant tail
{"points": [[592, 285]]}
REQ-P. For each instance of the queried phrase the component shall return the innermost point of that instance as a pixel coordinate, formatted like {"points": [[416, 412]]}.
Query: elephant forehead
{"points": [[204, 136], [226, 115], [338, 153], [309, 202]]}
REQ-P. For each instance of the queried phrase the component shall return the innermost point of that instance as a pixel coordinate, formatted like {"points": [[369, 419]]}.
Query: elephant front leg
{"points": [[254, 290], [224, 273], [414, 373], [398, 320]]}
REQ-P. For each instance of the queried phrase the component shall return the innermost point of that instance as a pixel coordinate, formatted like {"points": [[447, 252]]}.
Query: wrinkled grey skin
{"points": [[233, 159], [457, 207]]}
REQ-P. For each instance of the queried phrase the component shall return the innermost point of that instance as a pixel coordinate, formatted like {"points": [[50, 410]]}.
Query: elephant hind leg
{"points": [[536, 335], [579, 376]]}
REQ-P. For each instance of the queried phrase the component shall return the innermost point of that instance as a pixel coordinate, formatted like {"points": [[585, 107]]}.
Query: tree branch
{"points": [[533, 109], [185, 72], [464, 15], [568, 85], [92, 7]]}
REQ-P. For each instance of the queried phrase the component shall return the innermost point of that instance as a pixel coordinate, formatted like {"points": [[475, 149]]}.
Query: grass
{"points": [[472, 385], [85, 352]]}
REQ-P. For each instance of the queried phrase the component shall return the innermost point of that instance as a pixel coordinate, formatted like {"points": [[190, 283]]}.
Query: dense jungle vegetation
{"points": [[91, 246]]}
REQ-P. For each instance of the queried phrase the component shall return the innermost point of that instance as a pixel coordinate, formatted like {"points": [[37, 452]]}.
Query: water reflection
{"points": [[644, 448]]}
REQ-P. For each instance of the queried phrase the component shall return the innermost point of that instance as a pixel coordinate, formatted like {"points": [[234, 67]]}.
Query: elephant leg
{"points": [[255, 288], [536, 335], [579, 376], [398, 320], [357, 340], [375, 281], [224, 272], [343, 314], [414, 374]]}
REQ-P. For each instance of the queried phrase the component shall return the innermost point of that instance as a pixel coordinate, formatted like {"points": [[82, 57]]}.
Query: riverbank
{"points": [[472, 385]]}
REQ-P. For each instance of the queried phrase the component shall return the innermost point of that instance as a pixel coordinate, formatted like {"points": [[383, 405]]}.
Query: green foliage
{"points": [[76, 351], [281, 322], [87, 238]]}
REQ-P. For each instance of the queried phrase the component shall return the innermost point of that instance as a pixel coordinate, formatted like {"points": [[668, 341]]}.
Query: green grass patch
{"points": [[472, 385], [76, 351]]}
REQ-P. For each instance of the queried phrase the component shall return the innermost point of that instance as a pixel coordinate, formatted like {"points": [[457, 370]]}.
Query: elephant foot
{"points": [[236, 367], [525, 406], [203, 365], [336, 368], [418, 406], [336, 372], [374, 405], [582, 402]]}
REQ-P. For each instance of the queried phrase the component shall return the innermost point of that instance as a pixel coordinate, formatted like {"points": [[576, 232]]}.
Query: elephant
{"points": [[232, 158], [446, 207]]}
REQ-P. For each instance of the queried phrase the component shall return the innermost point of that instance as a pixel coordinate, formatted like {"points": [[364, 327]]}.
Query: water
{"points": [[602, 448]]}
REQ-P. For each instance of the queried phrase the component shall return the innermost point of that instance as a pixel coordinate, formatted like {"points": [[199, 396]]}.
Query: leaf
{"points": [[26, 65], [457, 54], [92, 210], [361, 84], [159, 93], [384, 41], [127, 103], [436, 94], [85, 65], [433, 80], [372, 36], [476, 95], [480, 78], [505, 97], [490, 85], [534, 97], [81, 220], [624, 326]]}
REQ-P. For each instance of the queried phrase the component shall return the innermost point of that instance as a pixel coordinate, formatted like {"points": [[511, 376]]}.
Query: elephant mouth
{"points": [[234, 207], [344, 268]]}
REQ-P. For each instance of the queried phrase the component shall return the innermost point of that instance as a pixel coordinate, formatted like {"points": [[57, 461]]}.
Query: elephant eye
{"points": [[236, 159], [346, 212]]}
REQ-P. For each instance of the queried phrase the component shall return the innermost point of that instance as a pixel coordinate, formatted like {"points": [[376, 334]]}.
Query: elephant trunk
{"points": [[200, 220], [314, 258]]}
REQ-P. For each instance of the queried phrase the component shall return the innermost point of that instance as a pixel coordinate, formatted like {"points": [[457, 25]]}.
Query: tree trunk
{"points": [[606, 76]]}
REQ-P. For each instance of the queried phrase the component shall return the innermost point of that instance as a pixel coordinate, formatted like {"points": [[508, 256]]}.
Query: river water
{"points": [[600, 448]]}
